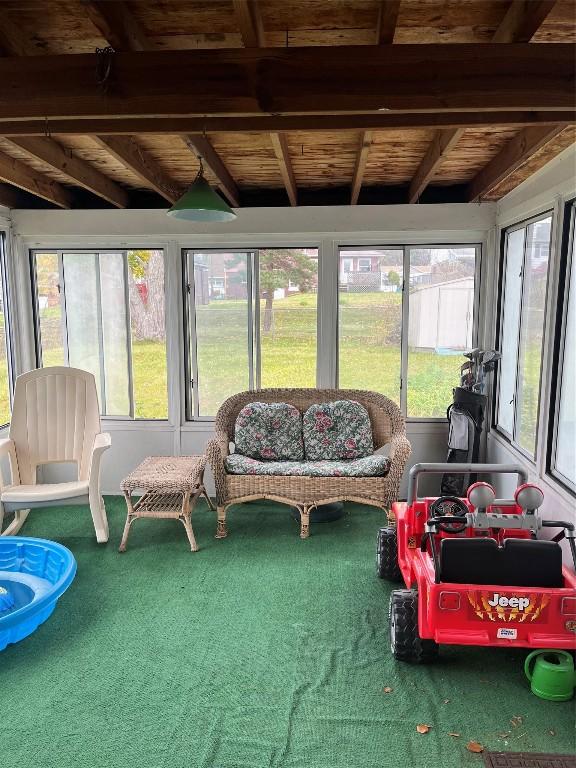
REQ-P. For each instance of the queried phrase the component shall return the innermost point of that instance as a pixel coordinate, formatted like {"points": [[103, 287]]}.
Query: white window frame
{"points": [[368, 263], [406, 248], [563, 305], [522, 225], [59, 252]]}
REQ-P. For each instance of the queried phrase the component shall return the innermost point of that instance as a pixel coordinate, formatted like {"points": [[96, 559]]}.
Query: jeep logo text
{"points": [[521, 603]]}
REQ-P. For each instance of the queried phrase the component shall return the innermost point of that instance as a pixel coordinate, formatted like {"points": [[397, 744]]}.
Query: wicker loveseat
{"points": [[307, 492]]}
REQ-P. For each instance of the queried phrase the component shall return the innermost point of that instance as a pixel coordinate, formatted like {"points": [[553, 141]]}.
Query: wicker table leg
{"points": [[208, 499], [203, 492], [130, 517], [221, 530], [186, 518]]}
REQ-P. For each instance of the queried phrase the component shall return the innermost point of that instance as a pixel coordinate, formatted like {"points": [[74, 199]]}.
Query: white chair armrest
{"points": [[8, 448], [102, 442]]}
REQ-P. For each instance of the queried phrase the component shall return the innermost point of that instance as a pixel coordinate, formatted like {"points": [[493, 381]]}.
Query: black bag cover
{"points": [[473, 404]]}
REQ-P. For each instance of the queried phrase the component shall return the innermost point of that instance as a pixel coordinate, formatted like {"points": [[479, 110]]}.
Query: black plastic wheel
{"points": [[387, 555], [405, 642]]}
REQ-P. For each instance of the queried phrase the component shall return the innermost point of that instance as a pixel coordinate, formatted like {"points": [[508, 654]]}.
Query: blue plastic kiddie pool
{"points": [[33, 575]]}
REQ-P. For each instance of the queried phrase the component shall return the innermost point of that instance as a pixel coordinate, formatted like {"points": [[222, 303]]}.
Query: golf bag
{"points": [[465, 416]]}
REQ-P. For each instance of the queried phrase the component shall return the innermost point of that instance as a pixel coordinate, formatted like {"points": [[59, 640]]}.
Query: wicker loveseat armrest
{"points": [[216, 452], [223, 442], [400, 450]]}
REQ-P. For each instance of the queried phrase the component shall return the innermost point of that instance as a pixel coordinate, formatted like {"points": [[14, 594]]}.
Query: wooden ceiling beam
{"points": [[280, 144], [10, 197], [20, 175], [117, 24], [250, 22], [12, 40], [380, 121], [128, 152], [78, 171], [363, 151], [387, 19], [520, 23], [516, 152], [200, 145], [322, 80], [522, 20], [442, 143], [15, 172]]}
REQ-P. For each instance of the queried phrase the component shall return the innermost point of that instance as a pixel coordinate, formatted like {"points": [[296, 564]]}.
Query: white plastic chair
{"points": [[55, 418]]}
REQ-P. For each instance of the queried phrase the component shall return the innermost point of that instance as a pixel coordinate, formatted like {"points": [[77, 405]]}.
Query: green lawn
{"points": [[149, 373], [4, 394], [369, 352], [369, 337]]}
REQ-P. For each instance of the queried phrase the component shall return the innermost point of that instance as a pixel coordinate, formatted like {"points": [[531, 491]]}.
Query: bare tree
{"points": [[146, 287]]}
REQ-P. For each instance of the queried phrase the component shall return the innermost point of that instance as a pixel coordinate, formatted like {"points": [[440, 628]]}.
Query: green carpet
{"points": [[259, 651]]}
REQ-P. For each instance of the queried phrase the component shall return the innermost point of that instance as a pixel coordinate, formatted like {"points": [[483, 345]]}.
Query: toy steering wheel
{"points": [[450, 506]]}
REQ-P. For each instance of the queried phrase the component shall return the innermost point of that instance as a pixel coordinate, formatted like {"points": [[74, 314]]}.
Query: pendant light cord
{"points": [[200, 174]]}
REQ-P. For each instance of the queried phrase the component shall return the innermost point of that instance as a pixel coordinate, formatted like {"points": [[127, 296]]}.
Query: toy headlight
{"points": [[481, 495], [529, 496]]}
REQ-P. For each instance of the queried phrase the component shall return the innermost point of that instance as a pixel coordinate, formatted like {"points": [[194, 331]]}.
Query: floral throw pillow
{"points": [[270, 432], [336, 431]]}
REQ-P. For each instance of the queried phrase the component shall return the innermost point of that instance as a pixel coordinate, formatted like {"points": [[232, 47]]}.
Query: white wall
{"points": [[549, 189], [325, 228], [363, 220]]}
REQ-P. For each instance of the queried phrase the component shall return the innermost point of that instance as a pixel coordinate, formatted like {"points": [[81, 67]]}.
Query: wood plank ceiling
{"points": [[287, 102]]}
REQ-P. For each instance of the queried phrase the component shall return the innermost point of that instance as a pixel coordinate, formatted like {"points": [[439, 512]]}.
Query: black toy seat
{"points": [[469, 561], [519, 563], [538, 563]]}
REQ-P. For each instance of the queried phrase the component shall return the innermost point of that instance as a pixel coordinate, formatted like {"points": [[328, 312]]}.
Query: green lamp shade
{"points": [[201, 203]]}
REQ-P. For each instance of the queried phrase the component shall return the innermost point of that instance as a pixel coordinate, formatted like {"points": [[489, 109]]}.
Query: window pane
{"points": [[49, 309], [532, 332], [510, 328], [566, 435], [114, 334], [222, 322], [4, 368], [88, 312], [81, 281], [370, 319], [441, 321], [288, 292], [147, 320]]}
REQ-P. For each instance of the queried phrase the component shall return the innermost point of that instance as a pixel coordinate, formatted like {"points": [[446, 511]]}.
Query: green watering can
{"points": [[553, 677]]}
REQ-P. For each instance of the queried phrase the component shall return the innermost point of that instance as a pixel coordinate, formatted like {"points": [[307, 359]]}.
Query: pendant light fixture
{"points": [[201, 203]]}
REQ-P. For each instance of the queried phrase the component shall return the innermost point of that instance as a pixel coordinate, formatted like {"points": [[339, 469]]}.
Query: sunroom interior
{"points": [[399, 178]]}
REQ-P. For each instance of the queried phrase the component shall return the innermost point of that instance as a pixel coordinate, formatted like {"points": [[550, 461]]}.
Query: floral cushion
{"points": [[369, 466], [269, 431], [336, 431]]}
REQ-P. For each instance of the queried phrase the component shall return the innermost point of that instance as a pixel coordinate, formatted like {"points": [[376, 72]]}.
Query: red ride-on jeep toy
{"points": [[475, 571]]}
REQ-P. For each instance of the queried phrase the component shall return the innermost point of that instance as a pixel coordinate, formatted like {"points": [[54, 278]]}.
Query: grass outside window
{"points": [[290, 351]]}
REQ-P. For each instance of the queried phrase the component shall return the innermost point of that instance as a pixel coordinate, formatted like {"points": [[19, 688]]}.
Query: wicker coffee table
{"points": [[171, 485]]}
